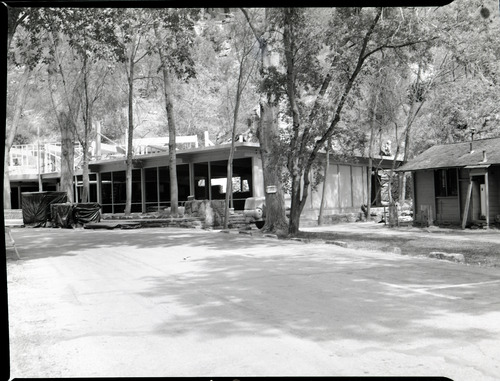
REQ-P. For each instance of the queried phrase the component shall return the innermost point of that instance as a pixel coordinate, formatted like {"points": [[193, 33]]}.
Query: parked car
{"points": [[255, 210]]}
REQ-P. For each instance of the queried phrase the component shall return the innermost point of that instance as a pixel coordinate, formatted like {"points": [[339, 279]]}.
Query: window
{"points": [[446, 182]]}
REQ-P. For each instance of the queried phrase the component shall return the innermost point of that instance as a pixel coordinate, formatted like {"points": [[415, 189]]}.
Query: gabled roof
{"points": [[456, 155]]}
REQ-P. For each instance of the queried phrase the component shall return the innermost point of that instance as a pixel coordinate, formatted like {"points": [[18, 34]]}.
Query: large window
{"points": [[445, 181], [242, 181], [182, 184], [113, 188], [92, 188], [200, 181]]}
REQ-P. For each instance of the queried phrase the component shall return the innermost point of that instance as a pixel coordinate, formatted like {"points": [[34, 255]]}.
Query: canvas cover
{"points": [[62, 215], [87, 212], [36, 206]]}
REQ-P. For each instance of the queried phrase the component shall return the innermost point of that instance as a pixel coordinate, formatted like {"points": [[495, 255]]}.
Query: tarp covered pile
{"points": [[36, 206], [67, 215], [42, 207]]}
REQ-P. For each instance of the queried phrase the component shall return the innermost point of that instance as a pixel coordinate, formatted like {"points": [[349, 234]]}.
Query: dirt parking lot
{"points": [[189, 302]]}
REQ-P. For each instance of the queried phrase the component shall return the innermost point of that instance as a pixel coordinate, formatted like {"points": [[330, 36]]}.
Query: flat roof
{"points": [[200, 154]]}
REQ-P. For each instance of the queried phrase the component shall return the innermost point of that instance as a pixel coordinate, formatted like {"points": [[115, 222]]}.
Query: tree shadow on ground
{"points": [[246, 286], [44, 243], [325, 299]]}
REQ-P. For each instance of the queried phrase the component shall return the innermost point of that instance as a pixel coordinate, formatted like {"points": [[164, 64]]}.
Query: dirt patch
{"points": [[478, 253]]}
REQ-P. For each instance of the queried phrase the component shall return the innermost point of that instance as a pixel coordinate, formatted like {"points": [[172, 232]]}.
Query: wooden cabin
{"points": [[457, 183]]}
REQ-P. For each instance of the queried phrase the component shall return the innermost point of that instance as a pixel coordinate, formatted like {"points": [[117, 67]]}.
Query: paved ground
{"points": [[185, 302]]}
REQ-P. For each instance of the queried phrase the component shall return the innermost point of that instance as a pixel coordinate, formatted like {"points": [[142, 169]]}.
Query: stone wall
{"points": [[211, 211]]}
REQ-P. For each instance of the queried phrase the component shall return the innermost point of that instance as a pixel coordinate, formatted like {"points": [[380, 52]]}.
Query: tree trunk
{"points": [[229, 182], [295, 165], [7, 201], [323, 198], [172, 146], [296, 205], [268, 135], [67, 155], [412, 114], [67, 126], [130, 135], [370, 158], [85, 179], [12, 22], [10, 134], [87, 120], [393, 214], [276, 220]]}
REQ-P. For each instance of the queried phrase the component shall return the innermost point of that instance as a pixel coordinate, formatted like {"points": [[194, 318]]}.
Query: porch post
{"points": [[143, 190], [112, 193], [459, 193], [487, 200], [209, 181], [191, 179], [98, 186], [413, 178], [158, 187]]}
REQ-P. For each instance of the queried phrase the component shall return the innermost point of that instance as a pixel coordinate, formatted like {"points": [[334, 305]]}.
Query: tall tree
{"points": [[134, 25], [243, 47], [15, 17], [353, 37], [174, 32], [91, 37], [60, 39], [267, 131]]}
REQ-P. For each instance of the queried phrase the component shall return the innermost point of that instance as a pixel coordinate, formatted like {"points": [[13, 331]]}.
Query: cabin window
{"points": [[446, 182]]}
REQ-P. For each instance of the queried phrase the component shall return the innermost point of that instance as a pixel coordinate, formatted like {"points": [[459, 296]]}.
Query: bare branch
{"points": [[258, 36], [397, 46]]}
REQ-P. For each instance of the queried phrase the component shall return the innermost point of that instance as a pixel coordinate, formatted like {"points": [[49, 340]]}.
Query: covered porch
{"points": [[201, 174]]}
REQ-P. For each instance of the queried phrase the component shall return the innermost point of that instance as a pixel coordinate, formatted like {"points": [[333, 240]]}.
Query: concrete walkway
{"points": [[189, 302]]}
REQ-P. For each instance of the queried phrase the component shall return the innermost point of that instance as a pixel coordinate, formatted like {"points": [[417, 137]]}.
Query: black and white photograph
{"points": [[252, 191]]}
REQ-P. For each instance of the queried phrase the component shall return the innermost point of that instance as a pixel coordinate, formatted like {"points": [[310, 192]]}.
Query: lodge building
{"points": [[202, 173]]}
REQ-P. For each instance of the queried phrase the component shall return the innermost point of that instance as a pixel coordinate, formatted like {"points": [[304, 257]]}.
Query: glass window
{"points": [[445, 181], [106, 191], [200, 181], [151, 183]]}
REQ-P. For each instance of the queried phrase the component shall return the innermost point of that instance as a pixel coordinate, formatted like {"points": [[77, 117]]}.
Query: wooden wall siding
{"points": [[358, 186], [494, 192], [345, 192], [345, 186], [331, 191], [447, 210], [424, 189], [333, 201]]}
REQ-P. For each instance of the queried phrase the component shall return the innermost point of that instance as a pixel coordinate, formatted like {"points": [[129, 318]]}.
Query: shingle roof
{"points": [[456, 155]]}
